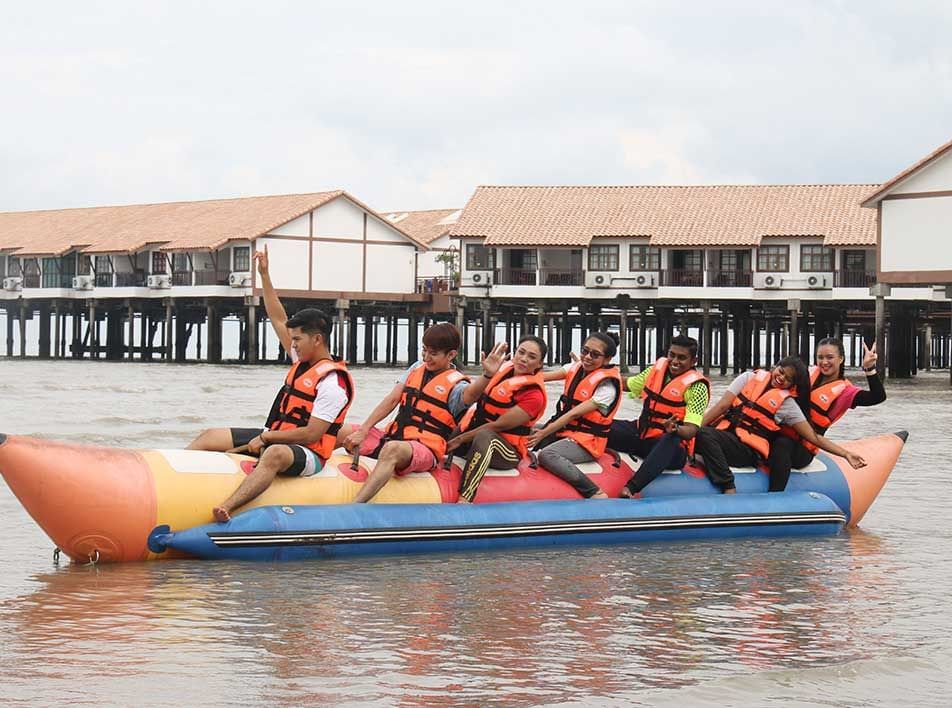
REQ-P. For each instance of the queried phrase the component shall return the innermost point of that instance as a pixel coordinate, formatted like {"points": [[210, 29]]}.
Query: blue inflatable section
{"points": [[312, 532], [829, 481]]}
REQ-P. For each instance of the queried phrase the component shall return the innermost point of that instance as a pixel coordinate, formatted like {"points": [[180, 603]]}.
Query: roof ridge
{"points": [[670, 186], [180, 201], [416, 211]]}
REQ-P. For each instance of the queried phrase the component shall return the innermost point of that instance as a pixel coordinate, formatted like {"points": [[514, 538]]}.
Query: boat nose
{"points": [[881, 453], [94, 503]]}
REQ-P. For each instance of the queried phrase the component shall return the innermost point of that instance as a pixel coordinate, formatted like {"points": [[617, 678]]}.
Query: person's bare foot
{"points": [[625, 493], [221, 514], [463, 500], [599, 495], [730, 491]]}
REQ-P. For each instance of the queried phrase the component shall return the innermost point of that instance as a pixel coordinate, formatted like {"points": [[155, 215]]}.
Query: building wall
{"points": [[340, 219], [917, 234], [936, 177]]}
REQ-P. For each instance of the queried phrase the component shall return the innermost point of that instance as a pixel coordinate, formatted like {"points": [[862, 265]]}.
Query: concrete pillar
{"points": [[880, 291], [707, 338], [623, 341], [214, 333], [93, 330], [413, 342], [368, 339], [550, 333], [793, 345], [251, 330], [131, 328], [723, 349], [44, 327], [352, 336], [488, 338], [57, 335], [9, 332]]}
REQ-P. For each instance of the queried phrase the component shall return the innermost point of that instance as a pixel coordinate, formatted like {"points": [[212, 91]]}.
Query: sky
{"points": [[411, 105]]}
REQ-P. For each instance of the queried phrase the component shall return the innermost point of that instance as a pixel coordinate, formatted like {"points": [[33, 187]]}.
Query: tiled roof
{"points": [[176, 225], [728, 215], [424, 226], [872, 199]]}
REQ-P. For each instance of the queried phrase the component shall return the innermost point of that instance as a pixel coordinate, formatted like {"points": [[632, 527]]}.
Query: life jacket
{"points": [[293, 405], [822, 399], [662, 400], [424, 413], [498, 398], [751, 415], [590, 430]]}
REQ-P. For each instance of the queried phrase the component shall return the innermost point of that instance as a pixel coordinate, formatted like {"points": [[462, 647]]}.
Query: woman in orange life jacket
{"points": [[831, 396], [432, 396], [495, 430], [675, 397], [749, 418], [584, 414], [301, 431]]}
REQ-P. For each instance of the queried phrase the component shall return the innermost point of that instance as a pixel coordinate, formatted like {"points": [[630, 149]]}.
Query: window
{"points": [[180, 263], [854, 261], [603, 257], [773, 259], [816, 259], [479, 257], [3, 266], [50, 273], [103, 272], [241, 257], [644, 258], [159, 262]]}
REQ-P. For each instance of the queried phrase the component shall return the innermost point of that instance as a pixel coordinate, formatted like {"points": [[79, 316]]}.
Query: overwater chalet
{"points": [[437, 267], [192, 260]]}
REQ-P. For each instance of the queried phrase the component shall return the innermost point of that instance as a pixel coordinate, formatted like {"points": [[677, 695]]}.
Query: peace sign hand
{"points": [[869, 356], [492, 361]]}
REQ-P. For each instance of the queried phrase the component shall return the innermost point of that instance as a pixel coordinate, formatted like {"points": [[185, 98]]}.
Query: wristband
{"points": [[487, 376], [870, 371]]}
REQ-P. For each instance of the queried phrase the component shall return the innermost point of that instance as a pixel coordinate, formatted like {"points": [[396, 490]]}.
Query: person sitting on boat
{"points": [[578, 432], [432, 396], [675, 396], [494, 432], [831, 396], [301, 430], [748, 419]]}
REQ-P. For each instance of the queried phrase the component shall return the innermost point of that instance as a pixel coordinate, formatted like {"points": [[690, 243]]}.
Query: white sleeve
{"points": [[331, 399], [604, 396]]}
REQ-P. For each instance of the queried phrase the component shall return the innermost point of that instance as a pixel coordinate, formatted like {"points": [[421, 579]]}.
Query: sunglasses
{"points": [[594, 353]]}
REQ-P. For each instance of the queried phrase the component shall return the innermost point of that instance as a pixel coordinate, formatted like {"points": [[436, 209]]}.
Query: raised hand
{"points": [[261, 258], [574, 357], [492, 361], [869, 356]]}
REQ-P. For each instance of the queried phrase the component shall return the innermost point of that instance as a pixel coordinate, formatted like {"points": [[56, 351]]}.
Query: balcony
{"points": [[104, 280], [854, 278], [729, 278], [31, 280], [561, 276], [436, 284], [181, 277], [209, 277], [130, 280], [515, 276], [683, 277]]}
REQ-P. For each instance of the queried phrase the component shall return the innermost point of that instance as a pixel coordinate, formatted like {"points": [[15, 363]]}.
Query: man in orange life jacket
{"points": [[432, 396], [675, 397], [301, 430]]}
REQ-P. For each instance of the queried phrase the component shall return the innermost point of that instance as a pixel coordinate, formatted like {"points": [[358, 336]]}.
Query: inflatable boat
{"points": [[104, 504]]}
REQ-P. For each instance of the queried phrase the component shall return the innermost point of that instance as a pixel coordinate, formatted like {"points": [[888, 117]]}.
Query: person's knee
{"points": [[392, 451], [482, 438], [547, 457], [277, 458]]}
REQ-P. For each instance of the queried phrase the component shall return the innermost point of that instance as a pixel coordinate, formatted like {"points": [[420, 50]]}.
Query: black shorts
{"points": [[306, 462]]}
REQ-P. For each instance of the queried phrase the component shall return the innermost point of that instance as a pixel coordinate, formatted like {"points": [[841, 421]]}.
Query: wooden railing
{"points": [[182, 277], [514, 276], [561, 276], [212, 277], [854, 278], [130, 280], [730, 278], [683, 277]]}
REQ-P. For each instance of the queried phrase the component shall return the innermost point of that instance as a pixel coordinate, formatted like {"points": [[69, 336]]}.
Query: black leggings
{"points": [[785, 453], [721, 450], [657, 454]]}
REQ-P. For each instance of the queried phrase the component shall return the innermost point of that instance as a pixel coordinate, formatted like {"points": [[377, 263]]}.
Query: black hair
{"points": [[609, 339], [538, 341], [801, 381], [689, 343], [312, 321], [834, 342]]}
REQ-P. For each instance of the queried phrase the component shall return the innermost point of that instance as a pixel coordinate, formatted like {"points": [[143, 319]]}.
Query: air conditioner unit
{"points": [[84, 282], [646, 280], [239, 280], [13, 283], [481, 278], [767, 281], [598, 280], [159, 281], [819, 280]]}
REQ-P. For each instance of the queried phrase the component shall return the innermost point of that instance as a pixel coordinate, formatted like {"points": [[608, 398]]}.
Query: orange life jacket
{"points": [[293, 405], [822, 399], [590, 430], [424, 413], [498, 398], [663, 400], [751, 415]]}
